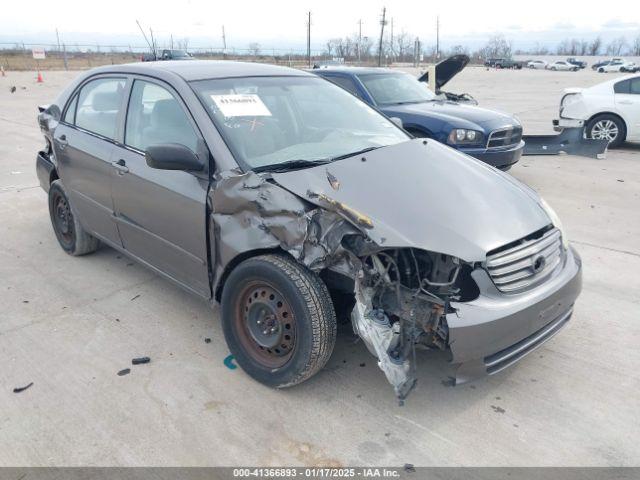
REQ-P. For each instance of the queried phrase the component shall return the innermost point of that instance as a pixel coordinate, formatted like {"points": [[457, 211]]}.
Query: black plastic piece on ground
{"points": [[140, 360], [124, 372], [22, 389]]}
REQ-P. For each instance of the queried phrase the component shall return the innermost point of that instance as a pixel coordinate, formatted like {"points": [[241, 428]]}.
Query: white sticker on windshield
{"points": [[247, 105]]}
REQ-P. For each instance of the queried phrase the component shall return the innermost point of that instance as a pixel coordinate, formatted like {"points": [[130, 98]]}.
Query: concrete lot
{"points": [[69, 324]]}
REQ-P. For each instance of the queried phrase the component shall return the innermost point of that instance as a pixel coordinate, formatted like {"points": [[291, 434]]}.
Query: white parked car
{"points": [[561, 65], [619, 65], [537, 64], [609, 110]]}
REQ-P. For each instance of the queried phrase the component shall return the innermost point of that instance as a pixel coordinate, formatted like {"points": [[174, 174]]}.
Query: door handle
{"points": [[62, 141], [625, 102], [120, 166]]}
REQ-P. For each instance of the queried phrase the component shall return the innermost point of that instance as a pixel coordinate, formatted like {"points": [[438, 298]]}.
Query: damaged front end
{"points": [[402, 295], [402, 298]]}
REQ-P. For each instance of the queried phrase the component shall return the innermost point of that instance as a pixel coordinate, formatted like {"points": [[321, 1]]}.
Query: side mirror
{"points": [[172, 156], [397, 121]]}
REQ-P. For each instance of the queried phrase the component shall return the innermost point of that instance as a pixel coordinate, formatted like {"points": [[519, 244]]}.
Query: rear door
{"points": [[161, 214], [84, 143], [627, 98]]}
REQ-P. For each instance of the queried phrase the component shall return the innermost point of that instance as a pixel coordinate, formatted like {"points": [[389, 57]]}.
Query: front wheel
{"points": [[72, 237], [607, 127], [601, 70], [278, 320]]}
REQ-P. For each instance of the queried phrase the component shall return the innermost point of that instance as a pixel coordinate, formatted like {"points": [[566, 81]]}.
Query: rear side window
{"points": [[622, 87], [98, 106], [70, 114], [155, 116], [345, 83], [634, 87]]}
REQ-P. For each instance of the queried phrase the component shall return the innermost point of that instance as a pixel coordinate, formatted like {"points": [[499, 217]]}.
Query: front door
{"points": [[161, 214]]}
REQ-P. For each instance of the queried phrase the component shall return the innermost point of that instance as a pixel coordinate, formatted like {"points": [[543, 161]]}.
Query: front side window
{"points": [[395, 88], [267, 121], [154, 117], [98, 106]]}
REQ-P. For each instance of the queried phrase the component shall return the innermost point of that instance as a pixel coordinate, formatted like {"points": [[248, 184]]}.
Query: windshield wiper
{"points": [[353, 154], [289, 165]]}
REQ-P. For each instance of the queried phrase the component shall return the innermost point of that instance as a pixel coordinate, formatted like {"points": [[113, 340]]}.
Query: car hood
{"points": [[424, 196], [447, 69], [454, 113]]}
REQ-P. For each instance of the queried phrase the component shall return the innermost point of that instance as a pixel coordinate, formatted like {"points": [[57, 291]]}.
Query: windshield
{"points": [[396, 88], [272, 120]]}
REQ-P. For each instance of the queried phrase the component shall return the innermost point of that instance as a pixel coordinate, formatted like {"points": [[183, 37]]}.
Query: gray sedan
{"points": [[290, 201]]}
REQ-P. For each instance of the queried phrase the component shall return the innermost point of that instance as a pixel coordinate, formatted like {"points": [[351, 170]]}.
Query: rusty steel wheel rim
{"points": [[265, 324]]}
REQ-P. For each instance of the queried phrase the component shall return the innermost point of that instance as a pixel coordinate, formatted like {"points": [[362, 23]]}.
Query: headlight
{"points": [[463, 136], [556, 221]]}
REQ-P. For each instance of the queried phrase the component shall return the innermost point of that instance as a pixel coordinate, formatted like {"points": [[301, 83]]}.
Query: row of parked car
{"points": [[286, 197], [616, 64]]}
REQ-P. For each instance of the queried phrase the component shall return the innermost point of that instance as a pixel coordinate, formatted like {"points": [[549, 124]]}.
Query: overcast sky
{"points": [[281, 24]]}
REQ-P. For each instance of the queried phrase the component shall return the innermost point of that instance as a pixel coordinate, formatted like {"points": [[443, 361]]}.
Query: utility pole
{"points": [[438, 37], [224, 41], [58, 37], [309, 39], [382, 24], [391, 41], [359, 39]]}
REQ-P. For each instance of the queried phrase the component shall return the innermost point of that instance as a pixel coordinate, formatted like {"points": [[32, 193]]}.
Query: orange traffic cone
{"points": [[39, 80]]}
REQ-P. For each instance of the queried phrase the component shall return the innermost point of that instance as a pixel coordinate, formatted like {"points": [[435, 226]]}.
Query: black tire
{"points": [[72, 237], [602, 121], [297, 313], [601, 70]]}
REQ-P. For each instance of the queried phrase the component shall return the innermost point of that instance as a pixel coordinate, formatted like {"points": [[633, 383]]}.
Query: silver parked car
{"points": [[285, 198]]}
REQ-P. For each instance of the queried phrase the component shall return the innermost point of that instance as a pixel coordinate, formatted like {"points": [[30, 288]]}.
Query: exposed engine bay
{"points": [[402, 296]]}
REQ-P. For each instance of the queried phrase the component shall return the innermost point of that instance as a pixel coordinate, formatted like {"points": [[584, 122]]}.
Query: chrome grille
{"points": [[504, 137], [526, 263]]}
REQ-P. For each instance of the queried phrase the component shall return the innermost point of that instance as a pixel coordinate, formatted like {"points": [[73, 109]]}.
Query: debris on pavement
{"points": [[137, 296], [140, 360], [22, 389], [207, 340], [124, 372], [408, 467], [228, 362]]}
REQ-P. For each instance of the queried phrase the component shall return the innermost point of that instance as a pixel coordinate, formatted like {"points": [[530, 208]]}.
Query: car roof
{"points": [[355, 70], [203, 69]]}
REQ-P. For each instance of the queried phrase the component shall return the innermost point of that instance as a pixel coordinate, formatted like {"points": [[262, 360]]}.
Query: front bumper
{"points": [[495, 330], [497, 157]]}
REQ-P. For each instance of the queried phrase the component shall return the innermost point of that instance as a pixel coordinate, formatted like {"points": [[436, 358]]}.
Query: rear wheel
{"points": [[278, 320], [72, 237], [607, 127]]}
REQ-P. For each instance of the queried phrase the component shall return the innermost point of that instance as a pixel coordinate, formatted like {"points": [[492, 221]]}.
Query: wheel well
{"points": [[53, 177], [599, 114], [237, 260]]}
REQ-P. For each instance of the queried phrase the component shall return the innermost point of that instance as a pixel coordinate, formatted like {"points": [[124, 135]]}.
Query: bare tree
{"points": [[404, 44], [595, 46], [615, 46], [635, 49], [496, 47], [254, 49]]}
